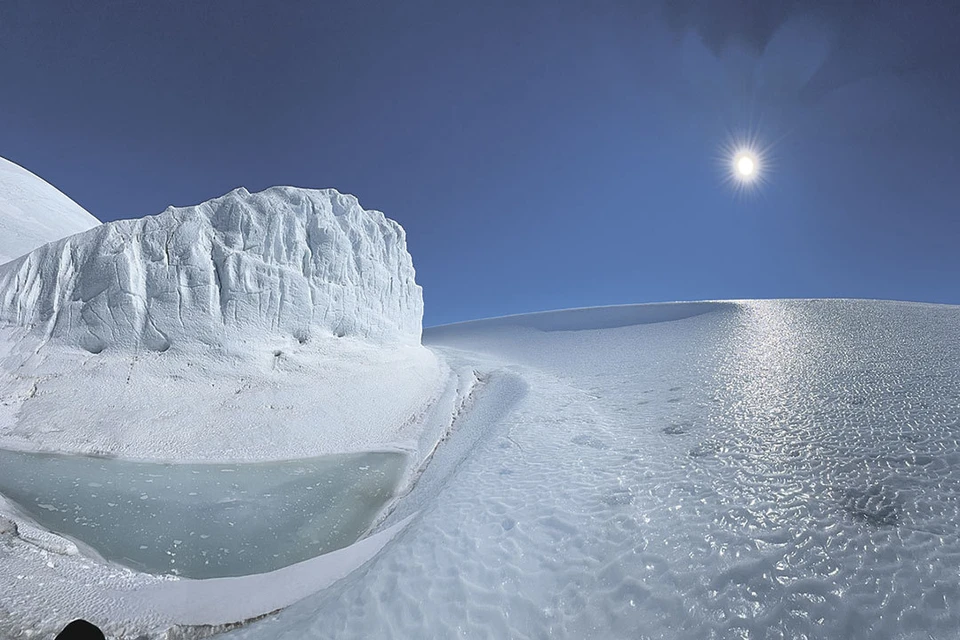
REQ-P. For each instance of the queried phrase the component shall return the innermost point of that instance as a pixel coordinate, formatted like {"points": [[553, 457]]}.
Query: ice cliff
{"points": [[32, 212], [308, 264]]}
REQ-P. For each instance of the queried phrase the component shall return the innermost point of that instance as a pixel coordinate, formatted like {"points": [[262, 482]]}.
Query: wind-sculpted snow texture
{"points": [[770, 469], [296, 262], [32, 212]]}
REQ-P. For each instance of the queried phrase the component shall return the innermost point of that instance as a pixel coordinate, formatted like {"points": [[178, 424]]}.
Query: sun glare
{"points": [[746, 163]]}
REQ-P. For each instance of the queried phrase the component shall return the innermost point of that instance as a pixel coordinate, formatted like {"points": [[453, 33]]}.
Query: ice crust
{"points": [[304, 263], [204, 520], [33, 213]]}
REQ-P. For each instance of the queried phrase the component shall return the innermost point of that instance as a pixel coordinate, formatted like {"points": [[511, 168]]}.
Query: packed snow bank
{"points": [[33, 212], [293, 262], [281, 400], [303, 402]]}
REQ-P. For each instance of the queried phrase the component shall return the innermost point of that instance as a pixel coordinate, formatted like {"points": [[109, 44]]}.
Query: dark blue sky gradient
{"points": [[539, 154]]}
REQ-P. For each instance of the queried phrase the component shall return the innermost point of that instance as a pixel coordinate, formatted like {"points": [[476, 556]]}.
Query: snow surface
{"points": [[774, 469], [768, 469], [278, 400], [33, 213]]}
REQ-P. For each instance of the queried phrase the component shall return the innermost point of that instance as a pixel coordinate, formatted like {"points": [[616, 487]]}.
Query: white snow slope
{"points": [[763, 469], [33, 213]]}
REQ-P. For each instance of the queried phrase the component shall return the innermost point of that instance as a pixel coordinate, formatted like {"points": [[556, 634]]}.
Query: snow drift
{"points": [[33, 212], [296, 262]]}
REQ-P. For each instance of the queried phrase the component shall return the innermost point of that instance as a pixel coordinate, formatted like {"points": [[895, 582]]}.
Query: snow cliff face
{"points": [[303, 263], [33, 213]]}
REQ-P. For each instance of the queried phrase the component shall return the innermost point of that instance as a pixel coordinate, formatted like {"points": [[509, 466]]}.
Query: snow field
{"points": [[774, 469]]}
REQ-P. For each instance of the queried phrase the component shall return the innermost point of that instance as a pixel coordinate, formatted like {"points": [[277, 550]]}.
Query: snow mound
{"points": [[33, 212], [285, 261]]}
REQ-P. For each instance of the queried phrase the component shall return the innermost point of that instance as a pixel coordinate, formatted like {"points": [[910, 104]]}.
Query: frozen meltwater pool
{"points": [[204, 520]]}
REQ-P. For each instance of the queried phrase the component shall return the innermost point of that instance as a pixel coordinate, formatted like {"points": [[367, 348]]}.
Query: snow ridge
{"points": [[285, 261]]}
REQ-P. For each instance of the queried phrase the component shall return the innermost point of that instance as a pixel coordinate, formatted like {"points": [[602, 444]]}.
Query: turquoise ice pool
{"points": [[204, 520]]}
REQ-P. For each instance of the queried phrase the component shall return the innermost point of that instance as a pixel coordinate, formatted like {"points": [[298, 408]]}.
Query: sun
{"points": [[746, 165], [746, 162]]}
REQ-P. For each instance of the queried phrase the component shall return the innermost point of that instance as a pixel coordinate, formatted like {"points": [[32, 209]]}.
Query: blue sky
{"points": [[540, 154]]}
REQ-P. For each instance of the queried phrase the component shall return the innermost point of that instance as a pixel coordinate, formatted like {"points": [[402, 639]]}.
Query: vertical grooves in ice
{"points": [[283, 261]]}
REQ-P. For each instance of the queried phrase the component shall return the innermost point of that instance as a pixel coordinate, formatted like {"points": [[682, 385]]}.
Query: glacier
{"points": [[716, 469], [33, 212]]}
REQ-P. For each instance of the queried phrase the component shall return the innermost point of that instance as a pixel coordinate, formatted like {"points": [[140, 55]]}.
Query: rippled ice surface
{"points": [[765, 470], [203, 520]]}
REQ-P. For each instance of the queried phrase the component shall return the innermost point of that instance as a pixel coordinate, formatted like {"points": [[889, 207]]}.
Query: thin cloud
{"points": [[867, 38]]}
